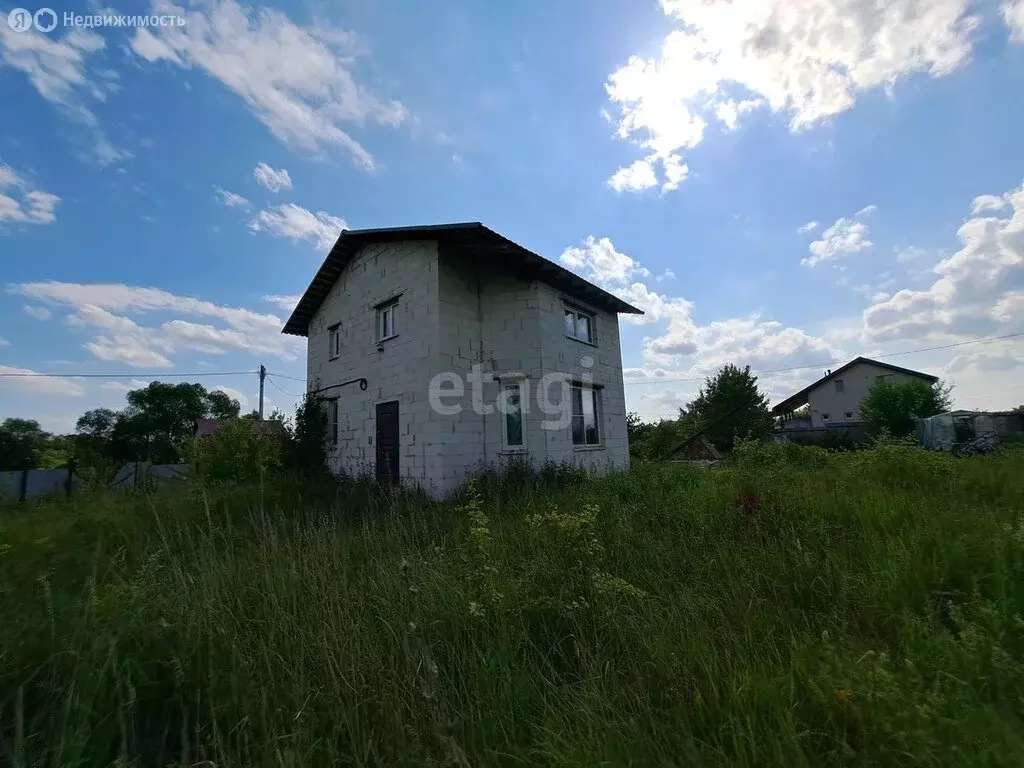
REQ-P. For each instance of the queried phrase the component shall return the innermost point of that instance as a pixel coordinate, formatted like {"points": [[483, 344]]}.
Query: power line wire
{"points": [[270, 378], [283, 376], [669, 380], [37, 375]]}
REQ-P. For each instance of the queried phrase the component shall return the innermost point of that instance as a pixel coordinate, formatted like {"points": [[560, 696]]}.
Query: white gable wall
{"points": [[857, 380], [400, 370]]}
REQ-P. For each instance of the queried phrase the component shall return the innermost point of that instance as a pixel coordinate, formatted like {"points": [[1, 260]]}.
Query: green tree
{"points": [[895, 408], [308, 449], [157, 425], [22, 442], [636, 428], [730, 405]]}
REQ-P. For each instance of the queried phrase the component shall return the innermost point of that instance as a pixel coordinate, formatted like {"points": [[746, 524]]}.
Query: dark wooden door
{"points": [[387, 441]]}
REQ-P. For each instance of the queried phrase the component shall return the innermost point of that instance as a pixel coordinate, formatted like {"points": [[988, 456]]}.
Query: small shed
{"points": [[941, 432]]}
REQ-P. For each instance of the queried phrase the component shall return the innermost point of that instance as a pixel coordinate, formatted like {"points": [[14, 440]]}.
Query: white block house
{"points": [[835, 398], [443, 349]]}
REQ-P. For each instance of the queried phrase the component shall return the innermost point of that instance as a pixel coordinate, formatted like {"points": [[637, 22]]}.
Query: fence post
{"points": [[68, 483], [23, 490]]}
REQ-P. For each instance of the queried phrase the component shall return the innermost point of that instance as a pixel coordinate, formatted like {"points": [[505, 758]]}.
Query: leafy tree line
{"points": [[159, 424], [730, 405]]}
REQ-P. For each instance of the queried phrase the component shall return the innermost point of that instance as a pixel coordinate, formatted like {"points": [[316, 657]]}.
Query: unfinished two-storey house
{"points": [[443, 349]]}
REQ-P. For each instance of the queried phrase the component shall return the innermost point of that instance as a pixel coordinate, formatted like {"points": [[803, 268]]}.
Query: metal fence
{"points": [[28, 483]]}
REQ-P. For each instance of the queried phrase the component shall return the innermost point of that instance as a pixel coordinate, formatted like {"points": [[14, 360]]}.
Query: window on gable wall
{"points": [[839, 386], [890, 378], [386, 320], [826, 417], [334, 341], [512, 407], [579, 325], [585, 413]]}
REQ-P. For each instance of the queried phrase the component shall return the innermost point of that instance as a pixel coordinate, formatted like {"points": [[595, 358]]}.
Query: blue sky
{"points": [[158, 185]]}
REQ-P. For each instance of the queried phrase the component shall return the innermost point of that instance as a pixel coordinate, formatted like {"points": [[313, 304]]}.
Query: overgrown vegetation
{"points": [[792, 607], [729, 406], [894, 408]]}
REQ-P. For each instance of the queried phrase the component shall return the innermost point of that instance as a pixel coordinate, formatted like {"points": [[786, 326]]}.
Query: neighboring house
{"points": [[835, 398], [416, 334]]}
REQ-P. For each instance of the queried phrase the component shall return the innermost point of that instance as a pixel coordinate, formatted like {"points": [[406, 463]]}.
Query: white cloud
{"points": [[847, 235], [910, 253], [234, 394], [979, 290], [810, 226], [285, 302], [684, 346], [988, 203], [56, 67], [122, 388], [24, 380], [599, 262], [1013, 14], [121, 339], [638, 176], [39, 313], [30, 206], [273, 180], [230, 199], [808, 58], [298, 81], [295, 222]]}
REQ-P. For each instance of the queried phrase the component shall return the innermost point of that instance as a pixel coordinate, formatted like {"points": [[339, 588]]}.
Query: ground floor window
{"points": [[512, 408], [585, 416], [332, 421]]}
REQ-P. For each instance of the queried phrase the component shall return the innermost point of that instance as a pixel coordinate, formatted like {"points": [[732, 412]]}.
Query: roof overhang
{"points": [[471, 239]]}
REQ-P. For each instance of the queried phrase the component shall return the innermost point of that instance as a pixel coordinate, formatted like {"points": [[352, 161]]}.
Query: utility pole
{"points": [[263, 375]]}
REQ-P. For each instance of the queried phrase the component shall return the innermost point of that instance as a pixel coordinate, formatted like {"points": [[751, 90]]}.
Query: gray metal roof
{"points": [[471, 238]]}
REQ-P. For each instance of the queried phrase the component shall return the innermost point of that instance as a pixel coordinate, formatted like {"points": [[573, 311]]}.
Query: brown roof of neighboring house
{"points": [[800, 398], [472, 238]]}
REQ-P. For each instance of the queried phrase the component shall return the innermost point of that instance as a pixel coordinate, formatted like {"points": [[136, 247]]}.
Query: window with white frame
{"points": [[386, 320], [585, 415], [332, 420], [579, 325], [334, 341], [848, 415], [826, 417], [512, 408]]}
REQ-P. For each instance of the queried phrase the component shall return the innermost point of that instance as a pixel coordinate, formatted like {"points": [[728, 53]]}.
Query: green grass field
{"points": [[790, 608]]}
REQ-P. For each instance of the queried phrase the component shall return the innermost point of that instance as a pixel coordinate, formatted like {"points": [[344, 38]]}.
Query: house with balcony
{"points": [[443, 349]]}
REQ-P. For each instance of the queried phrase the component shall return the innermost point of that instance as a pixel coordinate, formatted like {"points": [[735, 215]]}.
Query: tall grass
{"points": [[793, 608]]}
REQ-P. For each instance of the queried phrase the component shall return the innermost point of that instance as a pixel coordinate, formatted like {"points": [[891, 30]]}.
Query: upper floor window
{"points": [[512, 407], [848, 415], [826, 417], [839, 386], [579, 325], [888, 377], [585, 410], [334, 341], [386, 320]]}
